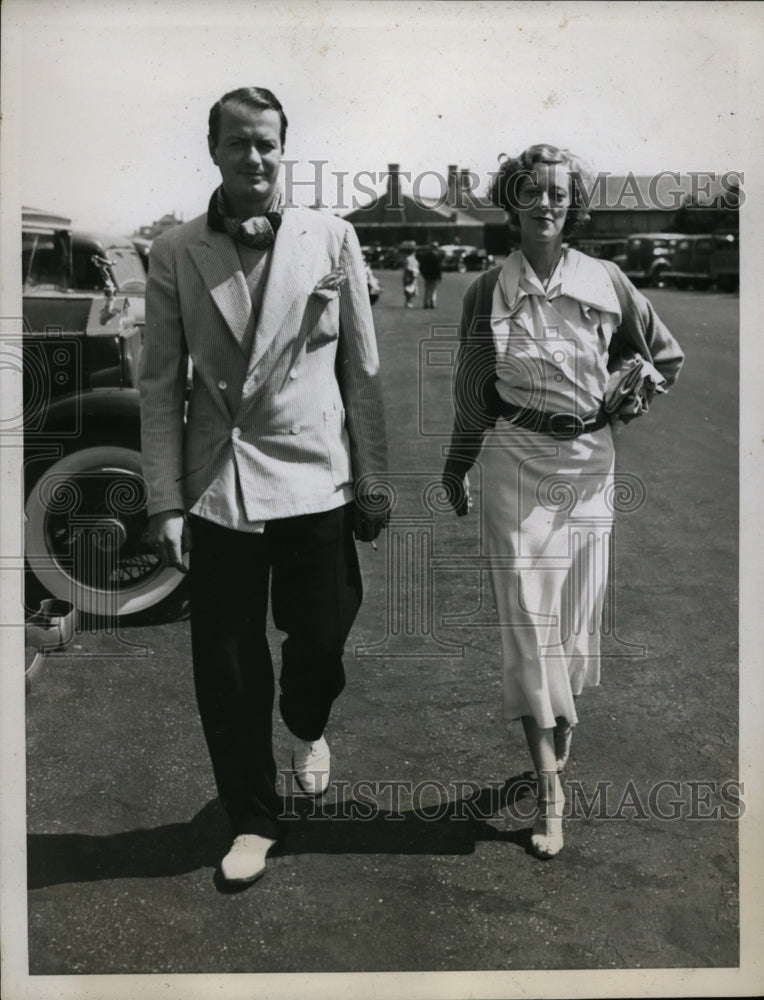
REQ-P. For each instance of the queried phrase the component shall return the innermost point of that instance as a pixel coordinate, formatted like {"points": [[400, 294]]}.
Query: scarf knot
{"points": [[257, 232]]}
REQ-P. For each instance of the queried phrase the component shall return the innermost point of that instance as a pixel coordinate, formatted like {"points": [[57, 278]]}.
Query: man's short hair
{"points": [[254, 97]]}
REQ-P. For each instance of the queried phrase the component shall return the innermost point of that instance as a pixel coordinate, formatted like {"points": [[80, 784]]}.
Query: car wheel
{"points": [[727, 283], [87, 534], [656, 277]]}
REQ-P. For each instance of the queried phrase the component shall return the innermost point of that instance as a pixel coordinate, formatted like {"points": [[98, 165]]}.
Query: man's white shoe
{"points": [[245, 862], [310, 762]]}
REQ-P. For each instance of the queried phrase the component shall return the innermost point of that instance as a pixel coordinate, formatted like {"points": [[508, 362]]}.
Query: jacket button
{"points": [[222, 384], [293, 374], [236, 432], [296, 428]]}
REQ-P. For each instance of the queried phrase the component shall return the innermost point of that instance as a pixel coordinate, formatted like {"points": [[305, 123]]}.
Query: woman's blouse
{"points": [[552, 342]]}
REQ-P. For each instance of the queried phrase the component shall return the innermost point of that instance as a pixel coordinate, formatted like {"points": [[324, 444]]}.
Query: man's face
{"points": [[248, 154]]}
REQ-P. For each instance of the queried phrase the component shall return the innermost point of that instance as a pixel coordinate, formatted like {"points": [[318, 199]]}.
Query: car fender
{"points": [[105, 415]]}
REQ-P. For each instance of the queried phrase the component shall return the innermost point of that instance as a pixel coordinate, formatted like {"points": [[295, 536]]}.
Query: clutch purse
{"points": [[632, 384]]}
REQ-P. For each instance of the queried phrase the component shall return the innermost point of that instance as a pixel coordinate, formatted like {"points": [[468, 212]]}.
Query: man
{"points": [[431, 268], [264, 478]]}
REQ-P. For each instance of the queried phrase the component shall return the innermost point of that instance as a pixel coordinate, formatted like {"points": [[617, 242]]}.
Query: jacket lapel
{"points": [[290, 274], [508, 282], [218, 263]]}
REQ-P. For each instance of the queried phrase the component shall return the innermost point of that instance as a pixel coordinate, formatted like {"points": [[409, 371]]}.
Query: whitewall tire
{"points": [[86, 534]]}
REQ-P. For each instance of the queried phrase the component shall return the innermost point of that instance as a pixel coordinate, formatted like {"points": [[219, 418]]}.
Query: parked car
{"points": [[705, 259], [453, 256], [648, 256], [142, 247], [725, 261], [389, 258], [690, 262], [477, 260], [85, 497], [100, 259], [603, 248]]}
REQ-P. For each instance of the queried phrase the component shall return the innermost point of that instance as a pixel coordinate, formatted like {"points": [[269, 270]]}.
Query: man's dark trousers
{"points": [[311, 565]]}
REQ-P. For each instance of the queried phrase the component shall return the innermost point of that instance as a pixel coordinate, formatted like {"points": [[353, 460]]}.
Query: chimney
{"points": [[452, 175], [394, 186]]}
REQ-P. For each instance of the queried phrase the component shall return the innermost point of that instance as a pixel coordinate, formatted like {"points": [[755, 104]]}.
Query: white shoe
{"points": [[310, 762], [245, 862], [546, 838]]}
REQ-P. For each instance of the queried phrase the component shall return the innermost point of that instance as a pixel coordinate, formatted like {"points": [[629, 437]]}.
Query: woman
{"points": [[554, 346], [410, 276]]}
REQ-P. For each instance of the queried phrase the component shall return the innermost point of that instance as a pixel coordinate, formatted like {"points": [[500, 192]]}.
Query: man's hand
{"points": [[370, 516], [457, 491], [168, 536]]}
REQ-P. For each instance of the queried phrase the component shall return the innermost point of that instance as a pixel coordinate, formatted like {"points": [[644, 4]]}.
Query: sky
{"points": [[114, 96]]}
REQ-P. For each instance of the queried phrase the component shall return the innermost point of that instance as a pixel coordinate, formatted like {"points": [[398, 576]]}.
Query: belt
{"points": [[558, 425]]}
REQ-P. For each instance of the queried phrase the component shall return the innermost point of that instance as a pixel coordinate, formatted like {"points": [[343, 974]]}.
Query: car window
{"points": [[128, 268], [86, 275], [45, 260]]}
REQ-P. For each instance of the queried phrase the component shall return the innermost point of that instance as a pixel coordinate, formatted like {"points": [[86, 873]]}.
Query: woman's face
{"points": [[543, 200]]}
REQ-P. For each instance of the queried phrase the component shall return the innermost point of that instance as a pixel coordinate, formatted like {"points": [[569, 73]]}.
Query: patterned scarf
{"points": [[259, 232]]}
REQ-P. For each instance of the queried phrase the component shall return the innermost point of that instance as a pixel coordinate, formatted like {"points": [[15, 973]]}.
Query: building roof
{"points": [[461, 205], [403, 209]]}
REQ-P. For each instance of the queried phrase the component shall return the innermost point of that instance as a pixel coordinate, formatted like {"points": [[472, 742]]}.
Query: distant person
{"points": [[372, 283], [431, 268], [410, 277], [554, 347], [261, 469]]}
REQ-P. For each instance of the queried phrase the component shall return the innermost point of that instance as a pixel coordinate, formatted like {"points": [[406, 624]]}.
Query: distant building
{"points": [[619, 206], [395, 216], [158, 227]]}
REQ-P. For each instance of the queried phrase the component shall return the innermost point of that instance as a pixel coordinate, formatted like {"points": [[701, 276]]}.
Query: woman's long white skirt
{"points": [[548, 516]]}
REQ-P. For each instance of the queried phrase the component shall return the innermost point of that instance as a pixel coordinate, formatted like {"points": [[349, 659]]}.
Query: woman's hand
{"points": [[629, 410], [457, 491]]}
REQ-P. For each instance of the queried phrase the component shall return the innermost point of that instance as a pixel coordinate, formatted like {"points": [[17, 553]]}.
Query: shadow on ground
{"points": [[338, 828]]}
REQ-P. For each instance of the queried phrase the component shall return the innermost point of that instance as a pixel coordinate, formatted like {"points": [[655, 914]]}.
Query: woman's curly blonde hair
{"points": [[504, 187]]}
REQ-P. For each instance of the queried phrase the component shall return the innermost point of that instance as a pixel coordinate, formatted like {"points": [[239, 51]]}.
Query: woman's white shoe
{"points": [[546, 839]]}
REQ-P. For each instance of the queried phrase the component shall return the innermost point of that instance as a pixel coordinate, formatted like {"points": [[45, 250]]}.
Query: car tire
{"points": [[656, 277], [727, 283], [86, 534]]}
